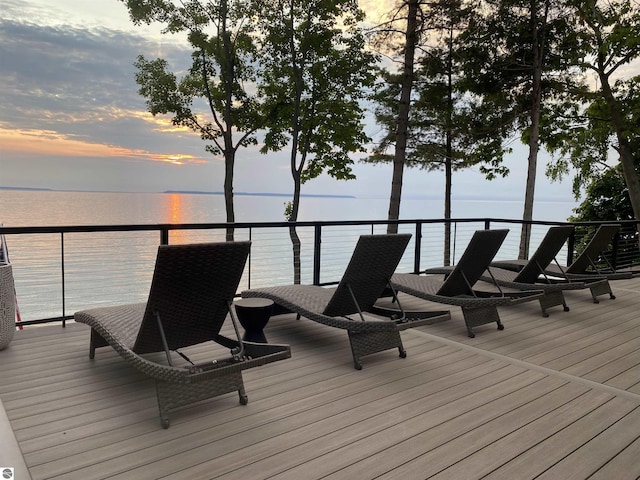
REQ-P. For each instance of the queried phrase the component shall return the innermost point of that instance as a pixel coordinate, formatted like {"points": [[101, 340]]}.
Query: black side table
{"points": [[253, 314]]}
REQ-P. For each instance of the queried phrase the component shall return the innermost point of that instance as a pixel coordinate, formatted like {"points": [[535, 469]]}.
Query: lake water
{"points": [[107, 268], [48, 208]]}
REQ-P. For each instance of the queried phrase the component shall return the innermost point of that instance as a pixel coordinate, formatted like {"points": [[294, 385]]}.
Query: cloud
{"points": [[67, 72], [70, 92], [71, 116], [47, 142]]}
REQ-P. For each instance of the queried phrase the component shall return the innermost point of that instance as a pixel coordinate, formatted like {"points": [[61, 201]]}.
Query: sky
{"points": [[71, 117]]}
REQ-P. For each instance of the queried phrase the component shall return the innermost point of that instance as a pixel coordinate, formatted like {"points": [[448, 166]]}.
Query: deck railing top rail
{"points": [[77, 266], [6, 229]]}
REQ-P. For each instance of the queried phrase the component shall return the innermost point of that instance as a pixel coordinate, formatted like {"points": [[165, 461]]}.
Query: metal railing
{"points": [[59, 270]]}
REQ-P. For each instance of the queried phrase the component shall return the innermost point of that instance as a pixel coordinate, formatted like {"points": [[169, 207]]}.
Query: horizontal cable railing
{"points": [[63, 269]]}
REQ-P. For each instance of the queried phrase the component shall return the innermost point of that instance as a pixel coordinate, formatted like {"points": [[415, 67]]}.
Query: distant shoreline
{"points": [[259, 194], [184, 192], [28, 188], [407, 197]]}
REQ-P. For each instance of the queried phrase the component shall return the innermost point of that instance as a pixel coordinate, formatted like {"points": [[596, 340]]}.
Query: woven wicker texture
{"points": [[529, 277], [373, 261], [552, 292], [7, 306], [509, 279], [191, 289], [482, 248], [548, 249], [540, 263], [598, 243], [428, 287], [478, 308], [579, 270]]}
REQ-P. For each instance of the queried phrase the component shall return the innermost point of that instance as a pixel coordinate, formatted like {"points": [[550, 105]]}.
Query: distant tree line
{"points": [[451, 81]]}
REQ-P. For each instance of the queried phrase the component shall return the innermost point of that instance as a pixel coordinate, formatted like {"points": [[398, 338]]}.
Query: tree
{"points": [[538, 21], [316, 72], [523, 50], [220, 34], [607, 199], [599, 121], [388, 33], [609, 34], [446, 126]]}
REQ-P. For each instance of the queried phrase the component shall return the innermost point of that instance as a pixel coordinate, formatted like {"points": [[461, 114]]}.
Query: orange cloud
{"points": [[48, 142]]}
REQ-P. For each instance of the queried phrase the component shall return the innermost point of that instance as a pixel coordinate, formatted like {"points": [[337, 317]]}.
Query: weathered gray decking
{"points": [[555, 397]]}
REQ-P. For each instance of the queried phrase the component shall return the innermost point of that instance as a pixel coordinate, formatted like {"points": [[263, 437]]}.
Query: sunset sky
{"points": [[71, 117]]}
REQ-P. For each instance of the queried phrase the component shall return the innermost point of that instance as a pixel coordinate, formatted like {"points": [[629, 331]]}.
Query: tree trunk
{"points": [[229, 160], [411, 35], [447, 212], [293, 234], [229, 151], [448, 168], [296, 172], [532, 166], [534, 138], [624, 149]]}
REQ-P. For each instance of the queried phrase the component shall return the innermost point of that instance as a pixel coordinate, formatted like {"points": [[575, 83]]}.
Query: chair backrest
{"points": [[372, 263], [482, 247], [598, 243], [190, 289], [551, 244]]}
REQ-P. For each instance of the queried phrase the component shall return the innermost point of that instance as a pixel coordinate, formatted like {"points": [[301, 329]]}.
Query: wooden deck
{"points": [[555, 398]]}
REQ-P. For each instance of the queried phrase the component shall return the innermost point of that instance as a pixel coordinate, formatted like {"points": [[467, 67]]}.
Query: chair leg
{"points": [[95, 341], [470, 333], [244, 399], [366, 343], [173, 395], [601, 288], [552, 299], [474, 317]]}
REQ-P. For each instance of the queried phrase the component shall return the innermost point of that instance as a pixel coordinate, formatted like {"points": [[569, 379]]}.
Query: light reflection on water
{"points": [[116, 267]]}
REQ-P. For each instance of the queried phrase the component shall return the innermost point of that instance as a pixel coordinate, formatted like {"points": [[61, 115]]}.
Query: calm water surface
{"points": [[37, 208], [108, 268]]}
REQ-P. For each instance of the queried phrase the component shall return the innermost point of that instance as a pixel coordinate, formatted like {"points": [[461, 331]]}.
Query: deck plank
{"points": [[338, 430], [622, 465], [596, 453], [493, 456], [556, 396]]}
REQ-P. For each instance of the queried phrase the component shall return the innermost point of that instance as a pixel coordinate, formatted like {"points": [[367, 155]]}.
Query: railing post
{"points": [[614, 253], [570, 247], [164, 236], [64, 308], [317, 241], [249, 260], [418, 248]]}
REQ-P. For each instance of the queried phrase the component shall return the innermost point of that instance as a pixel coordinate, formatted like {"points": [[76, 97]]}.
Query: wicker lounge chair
{"points": [[478, 307], [350, 306], [191, 294], [584, 268], [532, 275]]}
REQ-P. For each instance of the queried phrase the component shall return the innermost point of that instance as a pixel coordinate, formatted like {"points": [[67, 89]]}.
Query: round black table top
{"points": [[253, 302]]}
